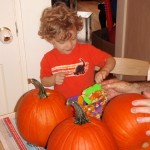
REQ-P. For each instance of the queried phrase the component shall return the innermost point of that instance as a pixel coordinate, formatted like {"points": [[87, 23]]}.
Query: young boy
{"points": [[69, 67]]}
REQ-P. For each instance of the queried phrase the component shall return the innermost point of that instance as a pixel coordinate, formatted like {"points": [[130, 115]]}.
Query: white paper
{"points": [[10, 138]]}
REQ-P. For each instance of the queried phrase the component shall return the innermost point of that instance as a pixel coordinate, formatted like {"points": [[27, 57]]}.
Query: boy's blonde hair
{"points": [[58, 21]]}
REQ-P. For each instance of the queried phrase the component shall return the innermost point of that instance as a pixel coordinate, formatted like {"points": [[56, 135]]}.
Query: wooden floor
{"points": [[91, 6]]}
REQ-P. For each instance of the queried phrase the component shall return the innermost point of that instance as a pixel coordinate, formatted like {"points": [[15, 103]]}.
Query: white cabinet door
{"points": [[11, 73], [20, 59]]}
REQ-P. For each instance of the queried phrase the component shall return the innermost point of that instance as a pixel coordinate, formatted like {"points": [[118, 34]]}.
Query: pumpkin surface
{"points": [[91, 135], [37, 116], [129, 134]]}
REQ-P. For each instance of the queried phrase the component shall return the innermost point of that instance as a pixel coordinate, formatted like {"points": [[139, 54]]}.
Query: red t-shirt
{"points": [[79, 65]]}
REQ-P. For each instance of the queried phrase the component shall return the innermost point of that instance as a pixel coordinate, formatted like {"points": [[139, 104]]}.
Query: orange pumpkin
{"points": [[83, 134], [38, 112], [129, 134]]}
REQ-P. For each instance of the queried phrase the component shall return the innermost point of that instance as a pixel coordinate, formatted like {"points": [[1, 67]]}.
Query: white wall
{"points": [[35, 47]]}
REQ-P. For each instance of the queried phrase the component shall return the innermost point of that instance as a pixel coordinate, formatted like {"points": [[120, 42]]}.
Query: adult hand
{"points": [[116, 87], [142, 106]]}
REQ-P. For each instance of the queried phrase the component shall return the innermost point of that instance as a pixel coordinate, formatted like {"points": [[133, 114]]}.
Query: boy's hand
{"points": [[59, 78], [101, 75]]}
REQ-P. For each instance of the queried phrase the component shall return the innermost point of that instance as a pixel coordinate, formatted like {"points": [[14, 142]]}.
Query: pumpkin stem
{"points": [[80, 117], [42, 92]]}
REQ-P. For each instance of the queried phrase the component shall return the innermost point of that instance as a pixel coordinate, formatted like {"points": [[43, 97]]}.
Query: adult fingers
{"points": [[148, 133], [141, 102], [140, 110], [143, 119], [105, 82]]}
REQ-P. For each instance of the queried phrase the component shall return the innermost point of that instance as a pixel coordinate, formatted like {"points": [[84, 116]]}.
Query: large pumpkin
{"points": [[83, 134], [129, 134], [38, 112]]}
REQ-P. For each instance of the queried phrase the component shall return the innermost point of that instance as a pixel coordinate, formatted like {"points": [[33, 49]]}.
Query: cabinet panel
{"points": [[132, 32], [137, 39]]}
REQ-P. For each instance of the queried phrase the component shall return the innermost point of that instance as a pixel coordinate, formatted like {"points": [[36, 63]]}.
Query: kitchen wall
{"points": [[133, 32]]}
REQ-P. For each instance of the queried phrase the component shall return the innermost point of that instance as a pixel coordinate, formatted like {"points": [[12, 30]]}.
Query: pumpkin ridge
{"points": [[55, 115], [73, 136], [96, 136], [30, 129], [65, 137]]}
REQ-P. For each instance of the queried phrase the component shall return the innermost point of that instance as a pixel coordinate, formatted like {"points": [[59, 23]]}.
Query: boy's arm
{"points": [[110, 64], [48, 81], [104, 71], [54, 79]]}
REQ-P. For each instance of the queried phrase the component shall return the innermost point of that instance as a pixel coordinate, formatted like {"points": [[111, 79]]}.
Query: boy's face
{"points": [[65, 47]]}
